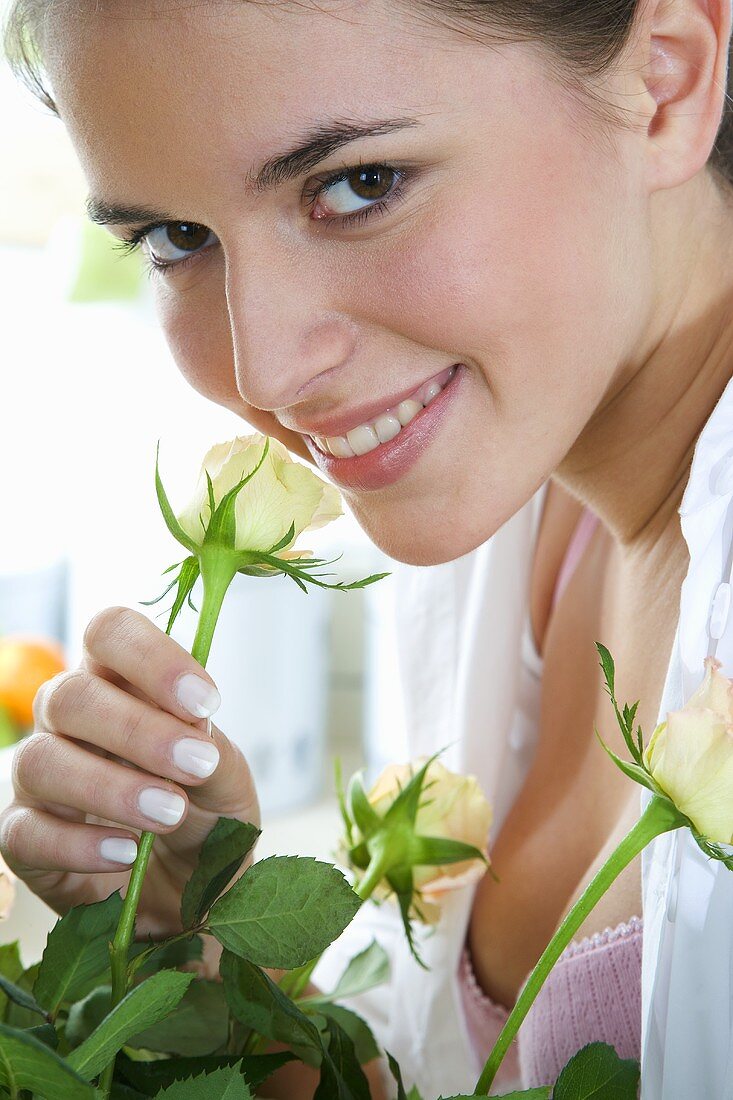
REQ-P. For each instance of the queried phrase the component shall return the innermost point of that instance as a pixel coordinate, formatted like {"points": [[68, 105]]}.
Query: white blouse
{"points": [[462, 637]]}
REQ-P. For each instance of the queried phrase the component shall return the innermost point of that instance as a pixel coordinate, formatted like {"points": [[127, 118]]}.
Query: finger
{"points": [[97, 712], [127, 644], [33, 839], [48, 768]]}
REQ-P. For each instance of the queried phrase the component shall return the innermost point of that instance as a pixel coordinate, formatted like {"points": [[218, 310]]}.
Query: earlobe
{"points": [[686, 72]]}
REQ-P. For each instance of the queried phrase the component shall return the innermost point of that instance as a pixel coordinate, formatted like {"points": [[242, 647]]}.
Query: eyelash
{"points": [[345, 221]]}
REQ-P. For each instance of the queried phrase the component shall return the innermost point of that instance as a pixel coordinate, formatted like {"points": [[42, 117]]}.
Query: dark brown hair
{"points": [[582, 38]]}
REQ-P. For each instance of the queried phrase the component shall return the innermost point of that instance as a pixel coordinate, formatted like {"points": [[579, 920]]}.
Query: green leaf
{"points": [[170, 520], [167, 954], [77, 952], [222, 1084], [597, 1071], [20, 997], [87, 1014], [198, 1025], [15, 1016], [397, 1074], [26, 1063], [222, 854], [284, 911], [45, 1033], [634, 771], [609, 671], [542, 1093], [342, 1077], [149, 1077], [259, 1004], [357, 1029], [365, 971], [142, 1007], [10, 967]]}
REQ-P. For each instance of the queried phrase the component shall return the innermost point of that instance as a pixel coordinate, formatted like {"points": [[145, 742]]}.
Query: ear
{"points": [[686, 46]]}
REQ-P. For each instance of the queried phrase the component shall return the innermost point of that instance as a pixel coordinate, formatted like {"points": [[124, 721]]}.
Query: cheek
{"points": [[529, 267], [195, 321]]}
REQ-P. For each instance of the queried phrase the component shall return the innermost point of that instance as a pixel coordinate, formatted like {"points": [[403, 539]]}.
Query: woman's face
{"points": [[488, 228]]}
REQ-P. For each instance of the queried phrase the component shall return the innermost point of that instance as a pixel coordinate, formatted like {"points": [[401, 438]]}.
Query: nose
{"points": [[285, 338]]}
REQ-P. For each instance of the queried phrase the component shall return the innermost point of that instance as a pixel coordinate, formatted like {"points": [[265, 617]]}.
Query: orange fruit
{"points": [[26, 662]]}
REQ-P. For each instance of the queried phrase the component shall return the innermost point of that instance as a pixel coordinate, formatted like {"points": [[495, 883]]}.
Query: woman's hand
{"points": [[120, 746]]}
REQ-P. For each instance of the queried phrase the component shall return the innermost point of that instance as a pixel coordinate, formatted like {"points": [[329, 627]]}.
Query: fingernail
{"points": [[165, 807], [118, 849], [196, 757], [197, 696]]}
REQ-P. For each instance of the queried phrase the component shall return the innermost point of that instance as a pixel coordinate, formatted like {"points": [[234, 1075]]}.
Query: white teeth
{"points": [[430, 392], [387, 427], [363, 439], [407, 411], [340, 447], [367, 437]]}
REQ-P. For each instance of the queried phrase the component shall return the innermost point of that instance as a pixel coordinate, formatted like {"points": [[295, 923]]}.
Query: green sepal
{"points": [[401, 881], [711, 848], [222, 527], [407, 803], [363, 814], [187, 578], [168, 515], [284, 542], [341, 797], [431, 851]]}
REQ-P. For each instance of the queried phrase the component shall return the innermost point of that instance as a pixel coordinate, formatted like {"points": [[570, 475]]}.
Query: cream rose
{"points": [[690, 756], [283, 493], [452, 807], [420, 832]]}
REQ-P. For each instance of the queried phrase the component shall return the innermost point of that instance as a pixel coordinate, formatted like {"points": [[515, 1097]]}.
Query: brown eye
{"points": [[371, 183], [359, 188], [172, 242]]}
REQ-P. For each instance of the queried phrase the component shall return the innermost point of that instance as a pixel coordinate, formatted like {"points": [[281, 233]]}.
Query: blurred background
{"points": [[89, 388]]}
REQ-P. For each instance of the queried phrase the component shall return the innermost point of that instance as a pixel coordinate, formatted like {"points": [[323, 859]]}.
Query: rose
{"points": [[420, 832], [690, 756], [452, 807], [285, 495]]}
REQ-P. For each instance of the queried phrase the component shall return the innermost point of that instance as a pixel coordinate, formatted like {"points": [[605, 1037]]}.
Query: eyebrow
{"points": [[317, 144]]}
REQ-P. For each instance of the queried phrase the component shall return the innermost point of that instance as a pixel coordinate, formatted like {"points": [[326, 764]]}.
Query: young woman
{"points": [[475, 261]]}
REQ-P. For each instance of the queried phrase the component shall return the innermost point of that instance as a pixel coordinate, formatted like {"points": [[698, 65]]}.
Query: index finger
{"points": [[127, 644]]}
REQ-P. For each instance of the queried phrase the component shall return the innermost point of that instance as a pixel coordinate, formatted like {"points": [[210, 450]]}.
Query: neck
{"points": [[632, 461]]}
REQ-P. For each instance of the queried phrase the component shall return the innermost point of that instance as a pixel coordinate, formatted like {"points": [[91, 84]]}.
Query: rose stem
{"points": [[659, 817], [217, 575]]}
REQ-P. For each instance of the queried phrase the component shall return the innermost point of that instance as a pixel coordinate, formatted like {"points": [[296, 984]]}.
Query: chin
{"points": [[421, 543]]}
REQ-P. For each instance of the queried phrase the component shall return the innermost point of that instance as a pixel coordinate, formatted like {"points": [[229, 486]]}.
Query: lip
{"points": [[389, 462], [356, 417]]}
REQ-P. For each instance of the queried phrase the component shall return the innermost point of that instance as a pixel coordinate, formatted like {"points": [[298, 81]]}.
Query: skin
{"points": [[583, 276]]}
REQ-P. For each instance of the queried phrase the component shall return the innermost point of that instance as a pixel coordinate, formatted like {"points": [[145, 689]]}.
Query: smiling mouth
{"points": [[388, 425]]}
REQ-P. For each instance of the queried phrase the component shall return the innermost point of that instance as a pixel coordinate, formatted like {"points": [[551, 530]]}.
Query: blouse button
{"points": [[724, 477], [720, 611]]}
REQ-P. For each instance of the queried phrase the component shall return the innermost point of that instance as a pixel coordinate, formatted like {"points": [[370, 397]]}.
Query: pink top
{"points": [[593, 992]]}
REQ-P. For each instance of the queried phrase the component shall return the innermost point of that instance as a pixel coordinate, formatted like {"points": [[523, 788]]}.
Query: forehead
{"points": [[148, 89]]}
